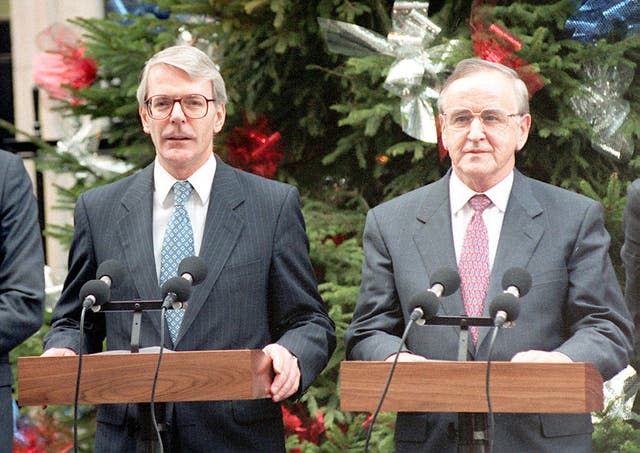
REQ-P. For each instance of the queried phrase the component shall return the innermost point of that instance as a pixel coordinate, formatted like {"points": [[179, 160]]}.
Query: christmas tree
{"points": [[330, 105]]}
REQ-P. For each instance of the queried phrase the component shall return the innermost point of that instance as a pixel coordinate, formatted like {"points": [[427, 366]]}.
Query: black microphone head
{"points": [[194, 266], [518, 277], [507, 303], [448, 278], [98, 289], [178, 286], [427, 301], [112, 269]]}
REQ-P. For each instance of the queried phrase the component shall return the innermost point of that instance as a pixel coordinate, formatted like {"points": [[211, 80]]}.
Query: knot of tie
{"points": [[181, 191], [479, 203]]}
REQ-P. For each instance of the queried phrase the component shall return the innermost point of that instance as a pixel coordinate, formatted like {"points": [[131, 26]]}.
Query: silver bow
{"points": [[602, 106], [417, 68]]}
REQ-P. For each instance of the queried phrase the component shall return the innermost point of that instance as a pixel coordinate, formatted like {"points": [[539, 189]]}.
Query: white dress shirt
{"points": [[461, 211], [196, 205]]}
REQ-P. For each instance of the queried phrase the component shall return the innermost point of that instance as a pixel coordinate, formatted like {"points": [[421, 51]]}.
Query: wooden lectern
{"points": [[443, 386], [127, 378]]}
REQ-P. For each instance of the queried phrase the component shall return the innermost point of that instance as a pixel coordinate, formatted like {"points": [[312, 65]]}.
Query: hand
{"points": [[534, 355], [58, 352], [406, 357], [285, 366]]}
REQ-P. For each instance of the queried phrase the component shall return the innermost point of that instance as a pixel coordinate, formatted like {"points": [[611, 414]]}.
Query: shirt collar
{"points": [[201, 180], [459, 193]]}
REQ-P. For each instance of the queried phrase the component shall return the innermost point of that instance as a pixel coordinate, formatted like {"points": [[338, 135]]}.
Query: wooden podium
{"points": [[443, 386], [127, 378]]}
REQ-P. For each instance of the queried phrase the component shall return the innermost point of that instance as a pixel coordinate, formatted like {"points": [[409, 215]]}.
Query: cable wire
{"points": [[386, 385]]}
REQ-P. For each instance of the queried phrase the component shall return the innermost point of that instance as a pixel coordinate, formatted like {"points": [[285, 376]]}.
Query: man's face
{"points": [[483, 152], [182, 144]]}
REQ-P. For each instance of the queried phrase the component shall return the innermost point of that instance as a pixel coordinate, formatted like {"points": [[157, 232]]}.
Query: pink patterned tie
{"points": [[474, 262]]}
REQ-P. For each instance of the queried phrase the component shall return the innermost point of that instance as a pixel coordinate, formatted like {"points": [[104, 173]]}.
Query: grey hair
{"points": [[191, 60], [475, 65]]}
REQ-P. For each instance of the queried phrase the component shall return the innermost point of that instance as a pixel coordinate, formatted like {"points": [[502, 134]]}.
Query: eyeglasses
{"points": [[194, 106], [491, 119]]}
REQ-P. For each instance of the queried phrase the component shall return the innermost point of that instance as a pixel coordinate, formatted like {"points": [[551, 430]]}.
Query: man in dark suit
{"points": [[574, 311], [260, 290], [21, 276]]}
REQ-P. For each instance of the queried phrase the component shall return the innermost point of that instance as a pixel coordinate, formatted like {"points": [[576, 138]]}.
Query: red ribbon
{"points": [[493, 43], [255, 149]]}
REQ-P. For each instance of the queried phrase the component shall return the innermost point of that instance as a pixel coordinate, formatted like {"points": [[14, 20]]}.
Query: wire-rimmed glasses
{"points": [[491, 119]]}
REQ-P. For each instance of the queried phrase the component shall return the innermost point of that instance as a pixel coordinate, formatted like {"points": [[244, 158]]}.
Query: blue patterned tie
{"points": [[177, 244]]}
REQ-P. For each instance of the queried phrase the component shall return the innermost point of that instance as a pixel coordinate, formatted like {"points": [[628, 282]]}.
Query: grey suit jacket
{"points": [[21, 275], [575, 305], [260, 288], [630, 253]]}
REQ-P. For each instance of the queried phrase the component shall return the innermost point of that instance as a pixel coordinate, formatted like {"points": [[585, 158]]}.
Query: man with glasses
{"points": [[260, 291], [483, 218]]}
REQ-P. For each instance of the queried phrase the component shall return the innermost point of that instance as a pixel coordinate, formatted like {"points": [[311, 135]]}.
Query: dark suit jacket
{"points": [[21, 275], [575, 305], [260, 288], [631, 254]]}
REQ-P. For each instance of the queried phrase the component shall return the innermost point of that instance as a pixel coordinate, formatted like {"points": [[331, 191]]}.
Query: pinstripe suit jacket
{"points": [[575, 305], [260, 288], [21, 276]]}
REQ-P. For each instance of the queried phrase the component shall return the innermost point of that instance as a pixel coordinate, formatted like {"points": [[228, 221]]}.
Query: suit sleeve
{"points": [[377, 325], [298, 317], [599, 324], [630, 252], [65, 321], [21, 258]]}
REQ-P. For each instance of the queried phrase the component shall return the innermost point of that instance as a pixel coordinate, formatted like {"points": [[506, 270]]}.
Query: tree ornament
{"points": [[136, 8], [493, 43], [602, 106], [255, 149], [61, 67], [82, 141], [598, 19], [417, 71]]}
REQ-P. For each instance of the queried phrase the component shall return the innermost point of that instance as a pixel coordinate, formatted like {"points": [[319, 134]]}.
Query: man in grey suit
{"points": [[574, 311], [260, 290], [630, 254], [21, 276]]}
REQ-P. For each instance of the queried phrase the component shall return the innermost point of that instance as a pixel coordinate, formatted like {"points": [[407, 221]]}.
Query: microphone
{"points": [[444, 282], [193, 269], [110, 272], [516, 281], [425, 306], [175, 292], [94, 293], [505, 308]]}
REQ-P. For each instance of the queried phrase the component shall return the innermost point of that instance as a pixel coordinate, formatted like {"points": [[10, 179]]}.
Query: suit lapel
{"points": [[135, 230], [519, 237], [222, 230], [434, 239]]}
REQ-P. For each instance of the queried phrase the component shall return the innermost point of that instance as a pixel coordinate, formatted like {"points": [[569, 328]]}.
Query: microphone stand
{"points": [[147, 440], [137, 307], [472, 436]]}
